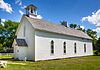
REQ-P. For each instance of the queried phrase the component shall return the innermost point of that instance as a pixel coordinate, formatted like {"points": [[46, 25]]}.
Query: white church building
{"points": [[38, 39]]}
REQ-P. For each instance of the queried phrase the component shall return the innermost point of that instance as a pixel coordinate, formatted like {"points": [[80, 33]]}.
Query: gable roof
{"points": [[21, 42], [56, 28]]}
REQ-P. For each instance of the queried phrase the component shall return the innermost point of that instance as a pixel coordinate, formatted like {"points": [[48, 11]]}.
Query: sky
{"points": [[85, 13]]}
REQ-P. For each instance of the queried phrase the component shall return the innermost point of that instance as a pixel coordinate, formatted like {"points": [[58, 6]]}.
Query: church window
{"points": [[52, 47], [64, 47], [85, 48], [75, 48]]}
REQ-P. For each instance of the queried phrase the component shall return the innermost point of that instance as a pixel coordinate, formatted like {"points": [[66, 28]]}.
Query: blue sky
{"points": [[82, 12]]}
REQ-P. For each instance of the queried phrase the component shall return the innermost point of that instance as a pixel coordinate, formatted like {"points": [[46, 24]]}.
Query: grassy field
{"points": [[81, 63]]}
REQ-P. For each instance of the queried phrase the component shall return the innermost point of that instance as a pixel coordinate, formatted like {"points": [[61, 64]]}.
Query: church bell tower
{"points": [[31, 10]]}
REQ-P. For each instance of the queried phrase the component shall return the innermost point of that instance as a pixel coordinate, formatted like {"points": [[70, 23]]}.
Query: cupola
{"points": [[31, 10]]}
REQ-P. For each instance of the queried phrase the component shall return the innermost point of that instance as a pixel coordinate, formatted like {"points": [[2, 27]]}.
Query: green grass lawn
{"points": [[5, 57], [81, 63]]}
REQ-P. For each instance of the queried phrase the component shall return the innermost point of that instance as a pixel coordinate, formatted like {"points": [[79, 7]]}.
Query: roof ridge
{"points": [[57, 28]]}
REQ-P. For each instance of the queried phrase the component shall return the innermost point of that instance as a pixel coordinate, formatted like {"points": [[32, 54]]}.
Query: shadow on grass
{"points": [[6, 59], [12, 59]]}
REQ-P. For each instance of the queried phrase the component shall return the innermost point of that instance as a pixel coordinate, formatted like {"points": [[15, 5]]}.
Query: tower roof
{"points": [[40, 24], [31, 6]]}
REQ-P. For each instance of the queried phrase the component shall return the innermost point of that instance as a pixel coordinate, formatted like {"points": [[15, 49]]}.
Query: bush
{"points": [[6, 50], [96, 52]]}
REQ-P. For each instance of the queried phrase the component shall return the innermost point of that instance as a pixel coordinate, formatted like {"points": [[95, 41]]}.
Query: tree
{"points": [[81, 29], [64, 23], [97, 52], [7, 33], [73, 26], [93, 35], [98, 44]]}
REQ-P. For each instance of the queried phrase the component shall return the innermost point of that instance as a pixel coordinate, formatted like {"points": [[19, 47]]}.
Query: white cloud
{"points": [[36, 17], [97, 29], [82, 27], [39, 17], [3, 20], [21, 12], [23, 7], [94, 18], [5, 6], [19, 2]]}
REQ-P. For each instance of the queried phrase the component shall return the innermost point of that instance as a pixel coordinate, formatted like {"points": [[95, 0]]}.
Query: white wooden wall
{"points": [[29, 37], [42, 46]]}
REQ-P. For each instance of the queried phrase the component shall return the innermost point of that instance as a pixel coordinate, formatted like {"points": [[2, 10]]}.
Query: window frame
{"points": [[84, 48], [75, 49], [52, 47], [64, 47]]}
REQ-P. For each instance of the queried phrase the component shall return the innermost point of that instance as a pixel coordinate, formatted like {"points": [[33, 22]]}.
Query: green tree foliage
{"points": [[79, 28], [7, 33], [92, 33], [98, 42], [97, 52], [64, 23], [73, 26]]}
